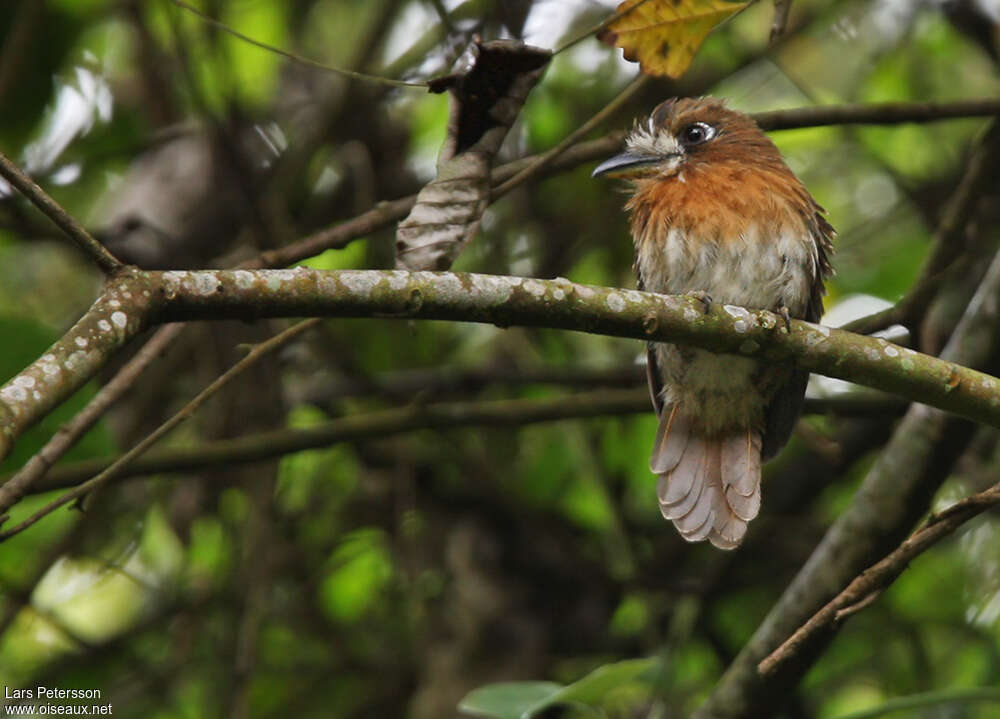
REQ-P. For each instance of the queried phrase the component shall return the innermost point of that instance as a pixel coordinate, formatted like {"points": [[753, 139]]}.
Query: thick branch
{"points": [[875, 579], [136, 298], [924, 447]]}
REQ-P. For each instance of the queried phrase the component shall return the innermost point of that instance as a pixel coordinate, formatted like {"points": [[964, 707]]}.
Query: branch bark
{"points": [[873, 581], [134, 299]]}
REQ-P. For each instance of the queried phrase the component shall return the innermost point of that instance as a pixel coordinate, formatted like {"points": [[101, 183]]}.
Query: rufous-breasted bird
{"points": [[715, 211]]}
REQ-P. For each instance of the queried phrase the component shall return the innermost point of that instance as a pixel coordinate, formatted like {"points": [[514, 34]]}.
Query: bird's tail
{"points": [[709, 486]]}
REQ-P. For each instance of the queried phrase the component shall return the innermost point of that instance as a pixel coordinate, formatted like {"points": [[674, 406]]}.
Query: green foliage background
{"points": [[393, 576]]}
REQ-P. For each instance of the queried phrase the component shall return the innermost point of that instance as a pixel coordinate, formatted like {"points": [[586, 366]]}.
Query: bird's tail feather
{"points": [[709, 487]]}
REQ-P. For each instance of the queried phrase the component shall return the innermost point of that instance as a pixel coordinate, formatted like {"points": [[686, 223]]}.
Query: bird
{"points": [[716, 213]]}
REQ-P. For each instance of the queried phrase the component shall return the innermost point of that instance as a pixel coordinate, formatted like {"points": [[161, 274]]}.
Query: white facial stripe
{"points": [[647, 140]]}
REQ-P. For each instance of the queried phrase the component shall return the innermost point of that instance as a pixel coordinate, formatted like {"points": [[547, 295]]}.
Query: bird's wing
{"points": [[653, 376], [784, 410]]}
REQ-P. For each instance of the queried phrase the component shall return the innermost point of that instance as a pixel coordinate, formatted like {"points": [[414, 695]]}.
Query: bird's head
{"points": [[684, 133]]}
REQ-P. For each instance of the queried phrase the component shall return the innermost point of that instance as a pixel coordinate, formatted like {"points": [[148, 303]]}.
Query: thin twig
{"points": [[385, 213], [292, 56], [359, 427], [156, 435], [417, 417], [51, 209], [610, 19], [885, 113], [36, 467], [876, 578], [546, 158]]}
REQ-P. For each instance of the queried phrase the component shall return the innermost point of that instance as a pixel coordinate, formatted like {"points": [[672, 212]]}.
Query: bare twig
{"points": [[885, 113], [386, 213], [156, 435], [871, 582], [292, 56], [18, 485], [416, 417], [359, 427], [66, 222], [546, 158], [614, 17]]}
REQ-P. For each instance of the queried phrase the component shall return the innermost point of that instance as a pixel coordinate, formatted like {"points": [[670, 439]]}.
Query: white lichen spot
{"points": [[534, 287], [81, 341], [584, 292], [740, 326], [126, 294], [288, 275], [690, 313], [204, 283], [115, 303], [119, 319], [273, 281], [823, 330], [50, 368], [398, 279], [907, 363], [360, 283], [446, 282], [13, 393], [615, 302], [891, 352], [738, 312], [36, 395], [872, 354], [24, 380], [496, 289], [243, 279], [172, 281], [75, 361], [104, 325], [558, 294]]}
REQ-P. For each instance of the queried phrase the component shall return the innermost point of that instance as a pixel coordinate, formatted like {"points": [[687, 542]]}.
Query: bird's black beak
{"points": [[626, 164]]}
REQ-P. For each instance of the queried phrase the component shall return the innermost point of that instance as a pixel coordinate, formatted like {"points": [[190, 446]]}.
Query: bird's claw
{"points": [[783, 311], [703, 297]]}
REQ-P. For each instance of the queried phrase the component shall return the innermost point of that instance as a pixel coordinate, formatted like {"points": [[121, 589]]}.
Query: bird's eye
{"points": [[697, 133]]}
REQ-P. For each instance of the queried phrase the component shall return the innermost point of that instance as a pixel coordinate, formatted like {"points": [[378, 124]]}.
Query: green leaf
{"points": [[523, 700], [509, 700]]}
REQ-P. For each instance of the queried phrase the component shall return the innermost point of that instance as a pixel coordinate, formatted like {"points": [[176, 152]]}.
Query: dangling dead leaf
{"points": [[664, 35], [487, 91]]}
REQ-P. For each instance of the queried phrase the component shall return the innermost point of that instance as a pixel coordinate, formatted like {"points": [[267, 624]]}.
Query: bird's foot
{"points": [[783, 311], [703, 297]]}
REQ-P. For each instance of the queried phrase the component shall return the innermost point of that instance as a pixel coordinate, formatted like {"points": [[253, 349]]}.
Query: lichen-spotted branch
{"points": [[134, 299]]}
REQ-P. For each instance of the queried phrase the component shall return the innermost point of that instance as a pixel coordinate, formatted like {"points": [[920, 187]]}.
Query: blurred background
{"points": [[391, 574]]}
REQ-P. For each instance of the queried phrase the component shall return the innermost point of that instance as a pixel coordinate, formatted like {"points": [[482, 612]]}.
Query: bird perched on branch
{"points": [[715, 212]]}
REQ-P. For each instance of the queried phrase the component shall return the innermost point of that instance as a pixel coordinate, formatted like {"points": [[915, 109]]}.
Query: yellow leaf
{"points": [[663, 35]]}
